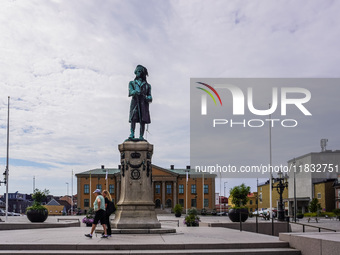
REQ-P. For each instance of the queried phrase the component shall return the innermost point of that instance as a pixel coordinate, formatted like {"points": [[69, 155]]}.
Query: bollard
{"points": [[257, 225], [240, 222]]}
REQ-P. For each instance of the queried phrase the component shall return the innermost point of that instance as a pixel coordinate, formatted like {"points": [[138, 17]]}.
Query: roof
{"points": [[53, 202], [324, 181], [111, 171], [252, 194], [267, 182], [313, 153], [100, 171], [64, 203]]}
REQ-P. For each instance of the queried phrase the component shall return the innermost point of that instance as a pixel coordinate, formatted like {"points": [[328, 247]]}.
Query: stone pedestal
{"points": [[136, 209]]}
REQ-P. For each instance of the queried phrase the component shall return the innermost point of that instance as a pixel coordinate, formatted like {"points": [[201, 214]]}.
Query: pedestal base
{"points": [[136, 209], [136, 217]]}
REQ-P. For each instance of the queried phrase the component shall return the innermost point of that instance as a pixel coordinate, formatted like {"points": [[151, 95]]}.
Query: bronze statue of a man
{"points": [[140, 91]]}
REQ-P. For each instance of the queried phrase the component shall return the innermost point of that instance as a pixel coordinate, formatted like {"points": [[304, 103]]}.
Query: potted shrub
{"points": [[240, 198], [178, 210], [299, 215], [37, 212], [192, 220]]}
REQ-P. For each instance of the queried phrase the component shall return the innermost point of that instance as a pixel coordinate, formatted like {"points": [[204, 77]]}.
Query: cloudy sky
{"points": [[67, 64]]}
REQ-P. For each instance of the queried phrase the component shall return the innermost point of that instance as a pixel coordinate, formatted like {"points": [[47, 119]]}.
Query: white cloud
{"points": [[67, 64]]}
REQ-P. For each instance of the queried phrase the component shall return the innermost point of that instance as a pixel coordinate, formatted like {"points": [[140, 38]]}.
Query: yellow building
{"points": [[264, 196], [54, 209], [251, 204], [169, 185], [324, 192]]}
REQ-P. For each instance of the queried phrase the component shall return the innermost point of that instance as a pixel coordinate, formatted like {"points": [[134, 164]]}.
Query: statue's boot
{"points": [[141, 133], [132, 135]]}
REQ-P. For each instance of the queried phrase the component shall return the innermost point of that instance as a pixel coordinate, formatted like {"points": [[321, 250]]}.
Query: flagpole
{"points": [[72, 194], [107, 179], [7, 162], [186, 192], [270, 169], [90, 191]]}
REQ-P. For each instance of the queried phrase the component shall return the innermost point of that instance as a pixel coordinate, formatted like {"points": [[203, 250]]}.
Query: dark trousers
{"points": [[108, 224]]}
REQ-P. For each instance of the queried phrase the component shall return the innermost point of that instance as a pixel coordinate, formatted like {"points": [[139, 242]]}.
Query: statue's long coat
{"points": [[139, 107]]}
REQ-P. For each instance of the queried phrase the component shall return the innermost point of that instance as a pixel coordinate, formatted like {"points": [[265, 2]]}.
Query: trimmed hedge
{"points": [[322, 214]]}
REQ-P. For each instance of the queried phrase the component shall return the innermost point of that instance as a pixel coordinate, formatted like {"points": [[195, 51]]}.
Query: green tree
{"points": [[337, 212], [240, 195], [314, 205], [38, 197]]}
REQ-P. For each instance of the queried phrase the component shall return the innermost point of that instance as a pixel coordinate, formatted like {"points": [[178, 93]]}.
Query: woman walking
{"points": [[109, 208]]}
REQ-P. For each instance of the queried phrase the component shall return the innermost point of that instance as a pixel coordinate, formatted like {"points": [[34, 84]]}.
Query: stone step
{"points": [[107, 246], [262, 251]]}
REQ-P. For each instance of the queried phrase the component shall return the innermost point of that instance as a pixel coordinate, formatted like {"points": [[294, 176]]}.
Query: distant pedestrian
{"points": [[99, 208], [110, 208]]}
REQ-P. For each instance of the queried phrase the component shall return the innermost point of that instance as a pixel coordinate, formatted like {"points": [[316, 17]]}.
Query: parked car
{"points": [[261, 212], [222, 214], [2, 212], [16, 214]]}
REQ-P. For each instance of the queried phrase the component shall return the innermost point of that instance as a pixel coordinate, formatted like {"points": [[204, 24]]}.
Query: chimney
{"points": [[172, 167], [103, 167], [188, 167]]}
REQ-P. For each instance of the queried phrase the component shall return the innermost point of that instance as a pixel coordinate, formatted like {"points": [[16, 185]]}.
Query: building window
{"points": [[99, 186], [86, 203], [193, 188], [261, 189], [158, 189], [86, 189], [250, 202], [181, 189], [193, 203], [158, 203], [206, 189], [168, 203], [251, 209], [168, 189], [260, 197], [112, 188], [206, 202], [319, 195], [181, 202]]}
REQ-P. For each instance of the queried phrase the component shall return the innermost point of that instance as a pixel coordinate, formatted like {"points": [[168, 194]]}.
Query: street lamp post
{"points": [[280, 188], [186, 191], [224, 192], [67, 193], [67, 188], [220, 196], [295, 203]]}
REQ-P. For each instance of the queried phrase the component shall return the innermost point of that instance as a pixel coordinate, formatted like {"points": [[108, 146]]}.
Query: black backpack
{"points": [[110, 208]]}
